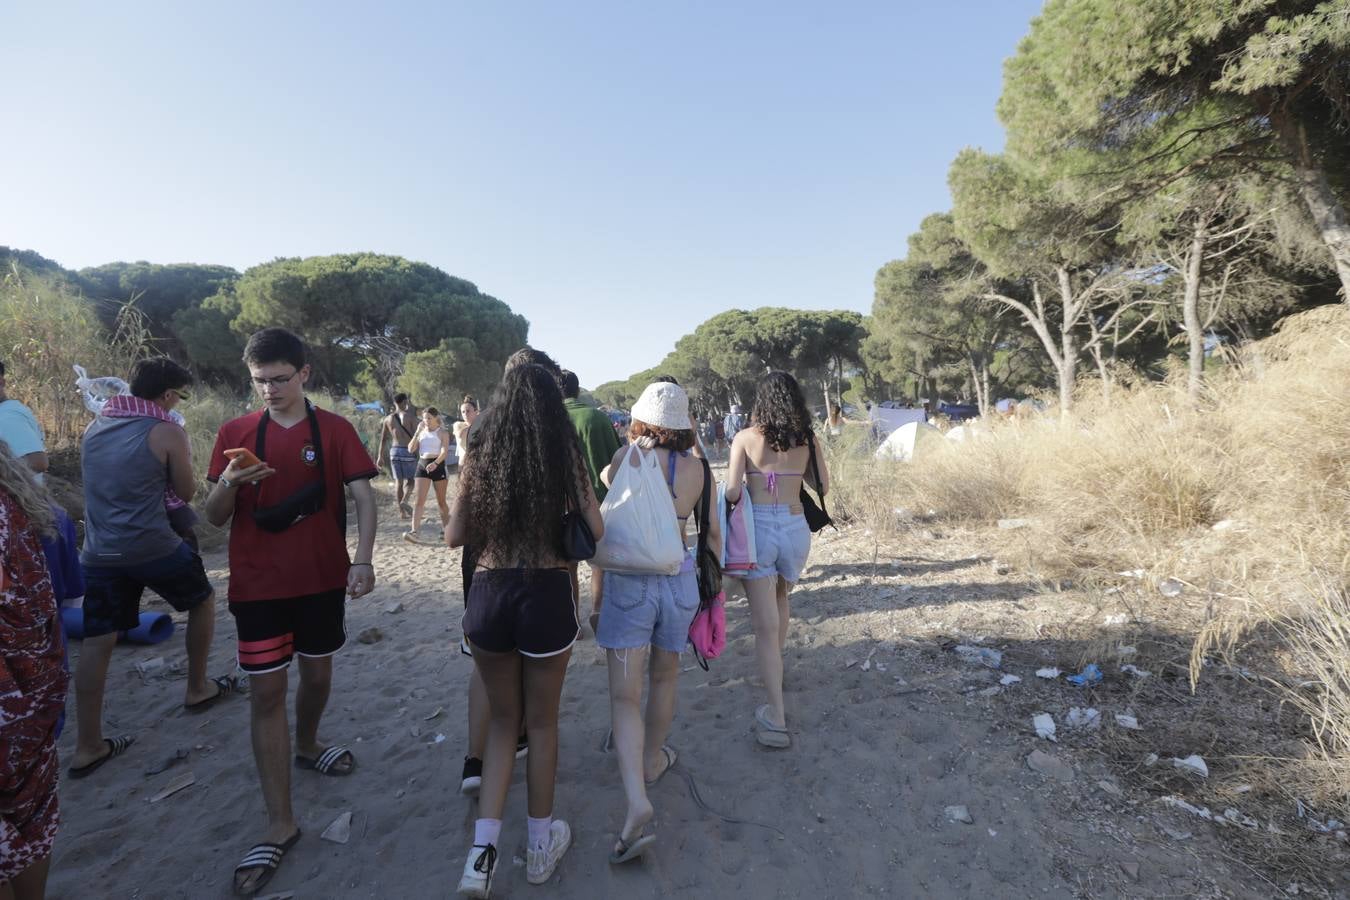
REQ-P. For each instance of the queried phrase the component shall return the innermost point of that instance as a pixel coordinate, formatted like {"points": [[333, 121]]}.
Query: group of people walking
{"points": [[533, 464], [530, 467]]}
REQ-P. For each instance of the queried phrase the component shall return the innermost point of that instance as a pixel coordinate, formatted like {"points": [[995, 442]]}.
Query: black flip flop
{"points": [[627, 852], [116, 747], [264, 856], [327, 762], [670, 756], [225, 684]]}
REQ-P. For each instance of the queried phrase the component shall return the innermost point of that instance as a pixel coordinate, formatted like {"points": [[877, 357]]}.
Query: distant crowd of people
{"points": [[534, 467]]}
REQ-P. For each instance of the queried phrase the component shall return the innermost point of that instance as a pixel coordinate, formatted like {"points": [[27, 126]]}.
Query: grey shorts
{"points": [[648, 609], [782, 541]]}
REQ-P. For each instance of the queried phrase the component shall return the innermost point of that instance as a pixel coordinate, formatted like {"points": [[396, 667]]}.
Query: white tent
{"points": [[907, 440], [886, 420]]}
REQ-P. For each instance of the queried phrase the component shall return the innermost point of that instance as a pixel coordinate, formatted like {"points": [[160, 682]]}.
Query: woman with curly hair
{"points": [[524, 474], [771, 457], [32, 683], [644, 621]]}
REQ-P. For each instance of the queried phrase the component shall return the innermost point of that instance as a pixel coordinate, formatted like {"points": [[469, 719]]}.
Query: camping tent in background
{"points": [[885, 420], [908, 440]]}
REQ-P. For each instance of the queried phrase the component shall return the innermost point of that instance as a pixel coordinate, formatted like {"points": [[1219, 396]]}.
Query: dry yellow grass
{"points": [[1141, 483]]}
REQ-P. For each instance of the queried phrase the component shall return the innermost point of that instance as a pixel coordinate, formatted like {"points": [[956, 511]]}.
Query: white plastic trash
{"points": [[1192, 763], [1045, 726]]}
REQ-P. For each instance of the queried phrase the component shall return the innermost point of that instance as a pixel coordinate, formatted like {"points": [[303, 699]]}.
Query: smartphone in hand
{"points": [[245, 457]]}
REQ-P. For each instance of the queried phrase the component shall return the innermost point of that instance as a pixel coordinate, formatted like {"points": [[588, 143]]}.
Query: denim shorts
{"points": [[403, 462], [648, 609], [782, 540]]}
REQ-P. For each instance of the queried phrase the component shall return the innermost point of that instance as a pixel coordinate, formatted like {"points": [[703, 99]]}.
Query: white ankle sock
{"points": [[539, 829], [486, 832]]}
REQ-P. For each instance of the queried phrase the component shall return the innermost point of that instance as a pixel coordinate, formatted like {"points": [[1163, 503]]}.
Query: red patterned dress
{"points": [[32, 695]]}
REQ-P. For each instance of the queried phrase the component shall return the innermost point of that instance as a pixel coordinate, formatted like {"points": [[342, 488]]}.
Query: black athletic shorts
{"points": [[436, 474], [272, 631], [112, 594], [526, 610]]}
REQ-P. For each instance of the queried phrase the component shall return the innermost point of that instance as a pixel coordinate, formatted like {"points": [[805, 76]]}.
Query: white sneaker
{"points": [[539, 864], [478, 868]]}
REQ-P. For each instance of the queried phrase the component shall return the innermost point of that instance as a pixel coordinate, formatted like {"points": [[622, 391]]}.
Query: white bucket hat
{"points": [[664, 405]]}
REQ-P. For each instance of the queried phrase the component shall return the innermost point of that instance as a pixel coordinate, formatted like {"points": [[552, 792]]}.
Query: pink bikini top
{"points": [[771, 479]]}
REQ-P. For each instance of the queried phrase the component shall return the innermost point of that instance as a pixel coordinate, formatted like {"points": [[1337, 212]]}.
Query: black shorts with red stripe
{"points": [[272, 631]]}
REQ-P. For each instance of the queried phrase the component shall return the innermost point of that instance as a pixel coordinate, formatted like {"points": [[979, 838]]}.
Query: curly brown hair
{"points": [[780, 412], [515, 480], [677, 439]]}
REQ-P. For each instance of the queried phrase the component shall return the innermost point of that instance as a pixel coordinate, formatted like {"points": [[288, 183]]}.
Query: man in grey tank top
{"points": [[136, 461]]}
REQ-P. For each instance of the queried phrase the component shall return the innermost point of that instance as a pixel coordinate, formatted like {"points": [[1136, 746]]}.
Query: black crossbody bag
{"points": [[303, 503], [578, 541], [817, 517]]}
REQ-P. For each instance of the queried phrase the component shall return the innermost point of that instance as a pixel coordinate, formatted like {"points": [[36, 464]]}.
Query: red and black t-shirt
{"points": [[311, 555]]}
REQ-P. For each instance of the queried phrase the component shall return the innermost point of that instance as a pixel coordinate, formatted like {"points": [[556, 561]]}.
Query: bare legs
{"points": [[316, 683], [403, 487], [200, 628], [440, 500], [478, 715], [768, 616], [637, 742], [91, 674], [272, 741], [271, 737], [420, 504], [504, 675], [30, 884], [597, 596]]}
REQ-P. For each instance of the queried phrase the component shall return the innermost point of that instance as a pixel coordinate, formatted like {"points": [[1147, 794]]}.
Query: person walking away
{"points": [[644, 624], [32, 683], [471, 778], [133, 457], [770, 458], [732, 423], [396, 431], [20, 429], [525, 467], [289, 571], [431, 443], [598, 442]]}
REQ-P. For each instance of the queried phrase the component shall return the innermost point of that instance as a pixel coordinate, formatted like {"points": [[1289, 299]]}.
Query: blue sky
{"points": [[616, 172]]}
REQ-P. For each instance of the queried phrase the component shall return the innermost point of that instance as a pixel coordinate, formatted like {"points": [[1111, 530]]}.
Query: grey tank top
{"points": [[125, 522]]}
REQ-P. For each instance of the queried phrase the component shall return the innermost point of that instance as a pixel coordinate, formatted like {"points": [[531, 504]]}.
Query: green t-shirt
{"points": [[598, 440]]}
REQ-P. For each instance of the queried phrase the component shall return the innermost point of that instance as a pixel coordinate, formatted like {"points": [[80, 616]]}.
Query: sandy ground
{"points": [[889, 729]]}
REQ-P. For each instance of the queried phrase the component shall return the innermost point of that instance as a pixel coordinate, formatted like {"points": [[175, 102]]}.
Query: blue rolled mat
{"points": [[154, 628]]}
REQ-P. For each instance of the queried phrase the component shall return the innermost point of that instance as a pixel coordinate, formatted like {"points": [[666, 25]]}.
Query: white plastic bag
{"points": [[641, 536], [98, 391]]}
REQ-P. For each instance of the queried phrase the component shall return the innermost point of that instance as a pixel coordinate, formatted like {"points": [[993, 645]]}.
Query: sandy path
{"points": [[855, 809]]}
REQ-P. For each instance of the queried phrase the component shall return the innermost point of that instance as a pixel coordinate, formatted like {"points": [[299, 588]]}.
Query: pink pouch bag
{"points": [[708, 631]]}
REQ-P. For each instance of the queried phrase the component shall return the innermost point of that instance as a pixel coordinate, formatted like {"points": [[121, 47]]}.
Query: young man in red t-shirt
{"points": [[289, 570]]}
